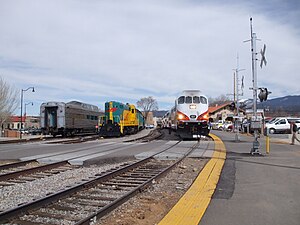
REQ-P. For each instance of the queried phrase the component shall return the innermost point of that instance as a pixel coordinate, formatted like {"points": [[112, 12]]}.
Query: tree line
{"points": [[8, 101]]}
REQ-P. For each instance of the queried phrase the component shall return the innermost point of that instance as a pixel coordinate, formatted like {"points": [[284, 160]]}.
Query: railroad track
{"points": [[87, 202], [76, 139], [27, 171], [26, 140], [154, 134], [16, 165]]}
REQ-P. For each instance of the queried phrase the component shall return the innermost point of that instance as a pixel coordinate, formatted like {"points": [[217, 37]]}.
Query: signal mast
{"points": [[255, 123]]}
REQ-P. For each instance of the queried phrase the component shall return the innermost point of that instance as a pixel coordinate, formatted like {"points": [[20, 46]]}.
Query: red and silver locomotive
{"points": [[189, 117]]}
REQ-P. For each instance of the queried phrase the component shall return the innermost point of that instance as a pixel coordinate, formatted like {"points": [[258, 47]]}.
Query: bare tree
{"points": [[218, 100], [8, 102], [147, 104]]}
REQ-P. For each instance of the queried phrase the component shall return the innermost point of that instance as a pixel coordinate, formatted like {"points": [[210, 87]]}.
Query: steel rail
{"points": [[148, 137], [76, 140], [16, 164], [36, 139], [25, 140], [7, 176]]}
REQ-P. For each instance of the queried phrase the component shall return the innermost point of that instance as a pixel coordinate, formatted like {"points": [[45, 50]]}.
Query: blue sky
{"points": [[97, 51]]}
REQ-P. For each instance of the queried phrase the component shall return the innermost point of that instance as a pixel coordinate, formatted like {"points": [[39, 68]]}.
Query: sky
{"points": [[101, 50]]}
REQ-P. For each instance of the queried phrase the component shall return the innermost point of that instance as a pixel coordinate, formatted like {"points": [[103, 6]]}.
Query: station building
{"points": [[221, 112], [13, 124]]}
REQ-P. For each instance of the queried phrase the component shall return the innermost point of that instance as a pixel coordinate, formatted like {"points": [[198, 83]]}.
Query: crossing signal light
{"points": [[232, 106], [263, 94]]}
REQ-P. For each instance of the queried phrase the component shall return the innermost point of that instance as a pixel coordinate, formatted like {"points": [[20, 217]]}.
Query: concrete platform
{"points": [[256, 189], [260, 189]]}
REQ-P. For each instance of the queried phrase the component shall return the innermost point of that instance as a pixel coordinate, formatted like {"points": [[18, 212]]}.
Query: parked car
{"points": [[219, 125], [35, 131], [282, 125], [228, 126], [24, 131], [149, 126], [274, 119]]}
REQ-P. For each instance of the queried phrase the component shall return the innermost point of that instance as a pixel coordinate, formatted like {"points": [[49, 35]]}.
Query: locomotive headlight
{"points": [[203, 116], [180, 116], [193, 106]]}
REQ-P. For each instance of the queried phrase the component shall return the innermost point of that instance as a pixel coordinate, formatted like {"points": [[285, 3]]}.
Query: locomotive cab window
{"points": [[188, 99], [196, 99], [181, 100], [203, 100]]}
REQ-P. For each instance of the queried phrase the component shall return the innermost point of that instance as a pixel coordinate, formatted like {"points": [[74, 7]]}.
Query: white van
{"points": [[282, 125]]}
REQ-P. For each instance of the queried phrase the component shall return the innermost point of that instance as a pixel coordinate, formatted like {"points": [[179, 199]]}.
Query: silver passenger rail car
{"points": [[68, 119]]}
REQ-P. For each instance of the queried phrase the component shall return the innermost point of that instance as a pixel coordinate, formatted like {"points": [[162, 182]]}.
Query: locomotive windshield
{"points": [[188, 99], [194, 99], [203, 100], [181, 100]]}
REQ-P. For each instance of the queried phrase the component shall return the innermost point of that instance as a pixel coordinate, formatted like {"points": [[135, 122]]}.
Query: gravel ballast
{"points": [[12, 196]]}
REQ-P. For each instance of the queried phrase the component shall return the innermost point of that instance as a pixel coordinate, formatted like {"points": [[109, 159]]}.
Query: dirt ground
{"points": [[154, 203]]}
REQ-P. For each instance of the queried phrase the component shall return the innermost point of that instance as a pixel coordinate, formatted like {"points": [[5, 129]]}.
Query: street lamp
{"points": [[26, 105], [23, 90]]}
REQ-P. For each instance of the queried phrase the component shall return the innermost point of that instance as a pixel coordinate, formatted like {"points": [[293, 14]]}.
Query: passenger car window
{"points": [[203, 100], [181, 100], [196, 99], [188, 99], [281, 122]]}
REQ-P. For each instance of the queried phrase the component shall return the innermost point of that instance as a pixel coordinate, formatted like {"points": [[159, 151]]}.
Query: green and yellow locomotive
{"points": [[120, 119]]}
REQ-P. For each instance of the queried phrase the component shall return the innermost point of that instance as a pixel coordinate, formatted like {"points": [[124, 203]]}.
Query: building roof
{"points": [[213, 109], [16, 119]]}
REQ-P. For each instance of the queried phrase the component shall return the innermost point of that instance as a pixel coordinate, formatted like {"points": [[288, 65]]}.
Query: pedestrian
{"points": [[294, 131]]}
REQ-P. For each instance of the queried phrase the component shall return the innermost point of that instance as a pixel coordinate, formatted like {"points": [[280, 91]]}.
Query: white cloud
{"points": [[125, 50]]}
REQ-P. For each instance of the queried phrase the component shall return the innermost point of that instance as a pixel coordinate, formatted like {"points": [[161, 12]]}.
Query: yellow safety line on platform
{"points": [[191, 207]]}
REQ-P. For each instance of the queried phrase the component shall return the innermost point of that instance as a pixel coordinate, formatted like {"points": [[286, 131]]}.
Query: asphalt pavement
{"points": [[256, 190]]}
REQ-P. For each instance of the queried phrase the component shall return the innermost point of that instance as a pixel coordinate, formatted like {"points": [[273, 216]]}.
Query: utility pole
{"points": [[236, 98], [234, 87], [255, 124]]}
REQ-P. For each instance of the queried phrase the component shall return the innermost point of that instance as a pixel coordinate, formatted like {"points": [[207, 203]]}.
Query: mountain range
{"points": [[288, 105]]}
